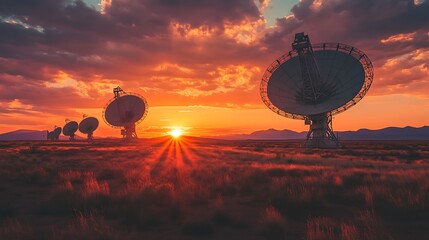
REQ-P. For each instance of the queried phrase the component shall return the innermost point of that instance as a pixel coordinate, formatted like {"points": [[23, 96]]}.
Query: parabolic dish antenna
{"points": [[314, 82], [88, 126], [70, 128], [125, 111], [54, 135]]}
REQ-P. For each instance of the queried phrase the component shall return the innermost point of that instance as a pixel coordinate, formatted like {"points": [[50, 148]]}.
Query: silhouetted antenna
{"points": [[55, 134], [70, 128], [314, 82], [88, 126], [125, 111]]}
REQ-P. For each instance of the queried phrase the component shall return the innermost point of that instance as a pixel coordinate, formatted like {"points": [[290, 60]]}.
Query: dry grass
{"points": [[273, 225], [192, 189], [364, 226], [88, 226]]}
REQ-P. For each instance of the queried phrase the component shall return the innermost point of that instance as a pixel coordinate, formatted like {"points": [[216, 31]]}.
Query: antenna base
{"points": [[321, 134], [90, 137], [129, 132]]}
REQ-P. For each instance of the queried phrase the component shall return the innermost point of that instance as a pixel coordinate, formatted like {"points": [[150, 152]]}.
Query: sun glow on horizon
{"points": [[176, 132]]}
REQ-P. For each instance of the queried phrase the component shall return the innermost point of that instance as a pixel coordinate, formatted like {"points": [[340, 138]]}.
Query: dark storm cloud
{"points": [[205, 11], [26, 71], [61, 14], [363, 21], [125, 18], [72, 26], [14, 34]]}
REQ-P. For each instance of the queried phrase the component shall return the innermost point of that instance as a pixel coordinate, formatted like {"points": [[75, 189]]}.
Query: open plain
{"points": [[193, 188]]}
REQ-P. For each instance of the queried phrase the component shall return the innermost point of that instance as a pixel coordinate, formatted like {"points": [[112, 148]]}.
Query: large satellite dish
{"points": [[314, 82], [125, 111], [70, 128], [55, 134], [88, 126]]}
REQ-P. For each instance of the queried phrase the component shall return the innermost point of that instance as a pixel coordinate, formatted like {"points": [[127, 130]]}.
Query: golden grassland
{"points": [[190, 188]]}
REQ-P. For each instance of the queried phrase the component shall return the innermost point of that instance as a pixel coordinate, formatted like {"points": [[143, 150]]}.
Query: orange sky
{"points": [[199, 65]]}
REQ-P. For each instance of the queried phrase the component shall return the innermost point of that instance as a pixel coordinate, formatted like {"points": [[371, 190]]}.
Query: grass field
{"points": [[191, 188]]}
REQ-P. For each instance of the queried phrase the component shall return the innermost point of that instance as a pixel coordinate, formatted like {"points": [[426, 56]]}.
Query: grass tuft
{"points": [[273, 224]]}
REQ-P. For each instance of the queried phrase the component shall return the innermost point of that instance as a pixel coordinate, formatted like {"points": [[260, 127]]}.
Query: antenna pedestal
{"points": [[321, 134], [129, 132], [90, 136]]}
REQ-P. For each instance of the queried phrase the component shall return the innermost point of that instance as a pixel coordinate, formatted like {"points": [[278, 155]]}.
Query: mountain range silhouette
{"points": [[389, 133], [29, 135]]}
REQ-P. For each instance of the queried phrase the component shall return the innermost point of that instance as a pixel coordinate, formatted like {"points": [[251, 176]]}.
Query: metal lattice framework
{"points": [[121, 95], [356, 53]]}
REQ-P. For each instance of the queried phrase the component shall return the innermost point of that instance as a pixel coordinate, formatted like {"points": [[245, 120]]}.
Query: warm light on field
{"points": [[176, 132]]}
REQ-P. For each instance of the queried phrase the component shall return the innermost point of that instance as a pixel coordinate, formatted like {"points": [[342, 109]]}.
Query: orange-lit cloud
{"points": [[399, 38], [405, 74], [188, 32], [104, 4], [245, 32]]}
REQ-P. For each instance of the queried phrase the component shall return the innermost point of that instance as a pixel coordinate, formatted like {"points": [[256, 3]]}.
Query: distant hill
{"points": [[390, 133], [270, 134], [23, 135], [29, 135]]}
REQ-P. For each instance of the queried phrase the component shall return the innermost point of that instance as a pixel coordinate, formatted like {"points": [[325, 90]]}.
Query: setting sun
{"points": [[176, 132]]}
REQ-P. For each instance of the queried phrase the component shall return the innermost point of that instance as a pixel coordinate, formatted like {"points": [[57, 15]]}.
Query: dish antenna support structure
{"points": [[87, 126], [55, 134], [125, 111], [70, 128], [315, 82]]}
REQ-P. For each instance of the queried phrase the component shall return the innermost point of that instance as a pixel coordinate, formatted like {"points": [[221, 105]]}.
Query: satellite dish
{"points": [[55, 134], [70, 128], [125, 111], [88, 126], [314, 82]]}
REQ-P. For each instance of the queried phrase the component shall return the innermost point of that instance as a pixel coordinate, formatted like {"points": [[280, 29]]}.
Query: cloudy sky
{"points": [[199, 63]]}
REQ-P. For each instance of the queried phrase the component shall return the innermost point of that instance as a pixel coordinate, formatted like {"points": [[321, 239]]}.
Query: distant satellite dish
{"points": [[88, 126], [125, 111], [314, 82], [54, 135], [70, 128]]}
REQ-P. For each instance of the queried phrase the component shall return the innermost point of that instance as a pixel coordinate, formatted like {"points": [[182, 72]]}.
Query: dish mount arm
{"points": [[313, 92], [310, 74]]}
